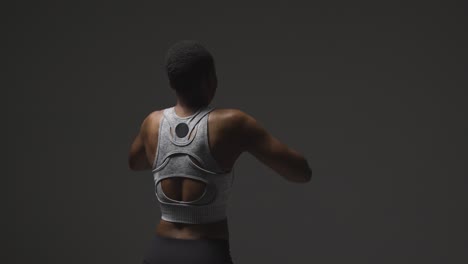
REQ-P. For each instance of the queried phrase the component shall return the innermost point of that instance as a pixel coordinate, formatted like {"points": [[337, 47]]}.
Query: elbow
{"points": [[303, 178], [132, 164], [306, 174]]}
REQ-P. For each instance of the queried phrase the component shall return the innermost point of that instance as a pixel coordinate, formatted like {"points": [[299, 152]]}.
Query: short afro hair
{"points": [[187, 62]]}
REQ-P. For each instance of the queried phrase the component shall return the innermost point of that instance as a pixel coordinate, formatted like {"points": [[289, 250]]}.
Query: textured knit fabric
{"points": [[180, 140]]}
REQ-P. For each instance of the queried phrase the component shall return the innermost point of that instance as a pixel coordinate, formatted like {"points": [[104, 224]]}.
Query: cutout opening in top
{"points": [[183, 189]]}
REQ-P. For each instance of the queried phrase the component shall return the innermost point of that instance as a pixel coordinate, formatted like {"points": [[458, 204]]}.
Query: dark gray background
{"points": [[373, 94]]}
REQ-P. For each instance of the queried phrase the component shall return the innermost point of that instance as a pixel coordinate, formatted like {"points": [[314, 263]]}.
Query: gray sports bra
{"points": [[180, 140]]}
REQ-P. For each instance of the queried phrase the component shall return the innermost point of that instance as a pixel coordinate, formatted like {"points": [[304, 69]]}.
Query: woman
{"points": [[191, 149]]}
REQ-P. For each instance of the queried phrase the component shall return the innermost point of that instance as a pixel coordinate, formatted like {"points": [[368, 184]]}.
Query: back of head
{"points": [[187, 62]]}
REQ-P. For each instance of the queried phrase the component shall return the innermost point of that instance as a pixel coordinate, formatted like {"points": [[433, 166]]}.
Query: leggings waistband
{"points": [[177, 250]]}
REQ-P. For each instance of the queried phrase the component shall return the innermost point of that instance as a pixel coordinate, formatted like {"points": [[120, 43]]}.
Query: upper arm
{"points": [[137, 159], [271, 151]]}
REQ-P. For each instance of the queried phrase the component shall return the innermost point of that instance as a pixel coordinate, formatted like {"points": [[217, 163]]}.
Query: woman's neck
{"points": [[184, 109]]}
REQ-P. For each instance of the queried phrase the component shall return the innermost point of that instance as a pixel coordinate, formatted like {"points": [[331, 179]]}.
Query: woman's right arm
{"points": [[270, 151]]}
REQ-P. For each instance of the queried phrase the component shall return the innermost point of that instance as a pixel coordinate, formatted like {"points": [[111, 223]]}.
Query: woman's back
{"points": [[230, 132], [175, 222], [191, 149]]}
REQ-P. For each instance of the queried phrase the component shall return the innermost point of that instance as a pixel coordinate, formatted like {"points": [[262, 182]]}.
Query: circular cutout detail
{"points": [[181, 130]]}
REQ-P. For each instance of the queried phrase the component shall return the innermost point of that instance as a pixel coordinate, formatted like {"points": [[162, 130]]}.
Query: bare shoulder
{"points": [[229, 118], [151, 122], [153, 117]]}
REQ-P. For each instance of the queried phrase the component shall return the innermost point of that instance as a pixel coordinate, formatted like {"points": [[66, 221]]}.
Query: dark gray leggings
{"points": [[167, 250]]}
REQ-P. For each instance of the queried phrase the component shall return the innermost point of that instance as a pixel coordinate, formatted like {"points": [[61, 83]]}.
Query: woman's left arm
{"points": [[137, 159]]}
